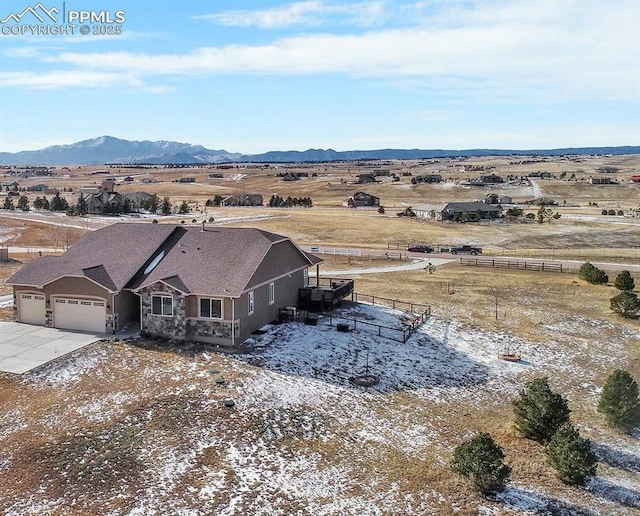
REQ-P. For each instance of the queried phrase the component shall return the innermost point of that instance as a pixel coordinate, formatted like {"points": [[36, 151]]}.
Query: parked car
{"points": [[466, 249], [420, 248]]}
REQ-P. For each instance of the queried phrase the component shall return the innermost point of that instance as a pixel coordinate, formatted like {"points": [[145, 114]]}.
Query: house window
{"points": [[162, 305], [210, 308], [272, 293], [250, 298]]}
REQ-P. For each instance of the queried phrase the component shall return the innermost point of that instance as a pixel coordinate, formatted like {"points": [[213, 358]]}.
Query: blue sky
{"points": [[252, 76]]}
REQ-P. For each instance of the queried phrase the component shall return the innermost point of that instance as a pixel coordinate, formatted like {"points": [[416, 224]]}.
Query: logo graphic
{"points": [[37, 20], [34, 11]]}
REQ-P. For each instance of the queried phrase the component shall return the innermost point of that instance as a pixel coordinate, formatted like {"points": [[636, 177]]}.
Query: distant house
{"points": [[214, 286], [37, 188], [12, 186], [457, 211], [427, 178], [493, 198], [103, 199], [541, 174], [129, 179], [491, 179], [185, 180], [602, 181], [366, 178], [381, 172], [542, 201], [243, 200], [149, 180], [136, 199], [290, 177], [216, 175], [360, 199]]}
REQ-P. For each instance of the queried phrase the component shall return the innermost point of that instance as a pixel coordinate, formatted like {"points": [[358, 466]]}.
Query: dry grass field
{"points": [[141, 428]]}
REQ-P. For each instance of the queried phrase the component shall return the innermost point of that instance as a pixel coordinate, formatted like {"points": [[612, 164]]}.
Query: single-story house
{"points": [[212, 285], [491, 179], [457, 211], [366, 178], [493, 198], [602, 181], [243, 200], [41, 187], [427, 178], [362, 199]]}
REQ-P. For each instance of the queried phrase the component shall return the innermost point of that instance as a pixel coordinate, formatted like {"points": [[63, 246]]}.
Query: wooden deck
{"points": [[324, 294]]}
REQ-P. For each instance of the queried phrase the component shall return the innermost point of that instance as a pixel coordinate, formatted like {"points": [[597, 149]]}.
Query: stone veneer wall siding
{"points": [[174, 327]]}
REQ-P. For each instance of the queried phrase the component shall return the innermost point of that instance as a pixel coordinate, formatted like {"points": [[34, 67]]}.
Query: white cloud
{"points": [[497, 50], [76, 78], [311, 12]]}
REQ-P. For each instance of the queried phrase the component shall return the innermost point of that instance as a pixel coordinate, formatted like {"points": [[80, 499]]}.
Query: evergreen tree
{"points": [[619, 401], [624, 281], [184, 208], [217, 200], [154, 203], [23, 203], [81, 206], [539, 411], [8, 204], [58, 203], [480, 460], [41, 203], [626, 304], [571, 456], [166, 206], [592, 274]]}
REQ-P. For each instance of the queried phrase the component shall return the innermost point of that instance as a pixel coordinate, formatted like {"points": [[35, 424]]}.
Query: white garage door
{"points": [[31, 309], [79, 314]]}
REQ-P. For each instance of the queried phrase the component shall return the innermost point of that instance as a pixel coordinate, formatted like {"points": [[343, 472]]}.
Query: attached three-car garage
{"points": [[79, 314]]}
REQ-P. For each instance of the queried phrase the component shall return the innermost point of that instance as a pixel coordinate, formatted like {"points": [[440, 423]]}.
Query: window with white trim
{"points": [[272, 293], [210, 308], [162, 305], [251, 304]]}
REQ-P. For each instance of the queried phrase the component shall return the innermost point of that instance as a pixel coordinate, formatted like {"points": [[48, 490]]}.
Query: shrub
{"points": [[626, 304], [619, 401], [624, 281], [539, 411], [620, 212], [592, 274], [480, 460], [381, 210], [612, 212], [604, 212], [571, 456]]}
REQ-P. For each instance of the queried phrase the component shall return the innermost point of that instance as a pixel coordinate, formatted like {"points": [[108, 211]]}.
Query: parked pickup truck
{"points": [[466, 249]]}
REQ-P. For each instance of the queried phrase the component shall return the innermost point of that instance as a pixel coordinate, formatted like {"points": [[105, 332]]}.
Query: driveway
{"points": [[24, 346]]}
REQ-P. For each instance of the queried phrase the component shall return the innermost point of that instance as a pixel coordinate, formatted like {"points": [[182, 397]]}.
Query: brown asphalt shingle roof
{"points": [[225, 261], [218, 261], [109, 256]]}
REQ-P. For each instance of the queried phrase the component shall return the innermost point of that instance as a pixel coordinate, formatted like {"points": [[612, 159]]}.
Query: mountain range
{"points": [[107, 149]]}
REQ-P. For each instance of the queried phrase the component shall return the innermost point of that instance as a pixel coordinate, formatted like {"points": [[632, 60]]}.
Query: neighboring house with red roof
{"points": [[213, 285]]}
